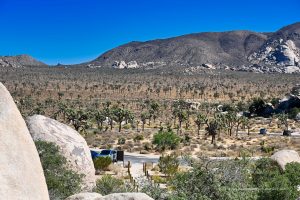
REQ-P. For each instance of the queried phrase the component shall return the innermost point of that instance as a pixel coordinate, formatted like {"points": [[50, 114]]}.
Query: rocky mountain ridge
{"points": [[234, 50], [20, 61]]}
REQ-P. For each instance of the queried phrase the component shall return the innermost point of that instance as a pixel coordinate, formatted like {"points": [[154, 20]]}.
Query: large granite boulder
{"points": [[85, 196], [127, 196], [284, 157], [21, 173], [72, 145]]}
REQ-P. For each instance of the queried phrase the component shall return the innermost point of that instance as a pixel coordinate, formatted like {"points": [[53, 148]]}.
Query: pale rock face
{"points": [[85, 196], [278, 52], [120, 64], [285, 156], [288, 53], [208, 66], [72, 145], [127, 196], [132, 65], [21, 173]]}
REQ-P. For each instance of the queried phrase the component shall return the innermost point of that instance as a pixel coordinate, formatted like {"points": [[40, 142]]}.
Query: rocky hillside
{"points": [[236, 50], [20, 61]]}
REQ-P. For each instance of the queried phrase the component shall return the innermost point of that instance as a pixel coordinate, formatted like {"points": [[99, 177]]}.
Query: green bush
{"points": [[108, 184], [278, 188], [292, 172], [264, 170], [61, 181], [166, 140], [237, 179], [102, 163], [195, 184]]}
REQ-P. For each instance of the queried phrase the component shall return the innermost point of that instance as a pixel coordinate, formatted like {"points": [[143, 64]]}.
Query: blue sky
{"points": [[74, 31]]}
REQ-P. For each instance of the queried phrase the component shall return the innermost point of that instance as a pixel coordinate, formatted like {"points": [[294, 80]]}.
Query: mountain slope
{"points": [[20, 61], [229, 48], [234, 49]]}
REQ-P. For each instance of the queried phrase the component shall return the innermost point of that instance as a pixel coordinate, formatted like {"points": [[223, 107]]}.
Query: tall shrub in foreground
{"points": [[61, 181], [165, 140]]}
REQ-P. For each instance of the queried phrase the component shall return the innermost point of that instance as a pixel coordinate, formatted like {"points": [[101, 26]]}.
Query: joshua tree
{"points": [[211, 129], [182, 116], [78, 118], [154, 109], [144, 117], [231, 120], [246, 123], [100, 117], [239, 121], [200, 119], [119, 115], [221, 121]]}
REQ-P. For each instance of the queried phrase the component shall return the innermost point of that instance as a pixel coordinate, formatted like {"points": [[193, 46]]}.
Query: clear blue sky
{"points": [[74, 31]]}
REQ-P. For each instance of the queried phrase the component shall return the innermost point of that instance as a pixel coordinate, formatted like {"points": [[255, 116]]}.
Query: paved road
{"points": [[137, 161]]}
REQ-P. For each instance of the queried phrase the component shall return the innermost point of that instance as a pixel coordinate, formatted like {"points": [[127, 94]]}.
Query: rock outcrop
{"points": [[285, 156], [72, 145], [21, 173], [277, 52], [85, 196], [123, 65]]}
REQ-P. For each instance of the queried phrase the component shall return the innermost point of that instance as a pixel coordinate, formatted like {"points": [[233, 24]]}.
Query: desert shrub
{"points": [[153, 190], [147, 146], [102, 163], [165, 140], [273, 183], [228, 108], [264, 170], [292, 172], [61, 181], [168, 164], [267, 149], [127, 126], [109, 184], [293, 112], [138, 138], [121, 140], [195, 184], [158, 179], [277, 188], [186, 139]]}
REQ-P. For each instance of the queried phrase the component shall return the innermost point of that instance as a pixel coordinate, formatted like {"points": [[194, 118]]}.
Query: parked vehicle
{"points": [[263, 131], [105, 153]]}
